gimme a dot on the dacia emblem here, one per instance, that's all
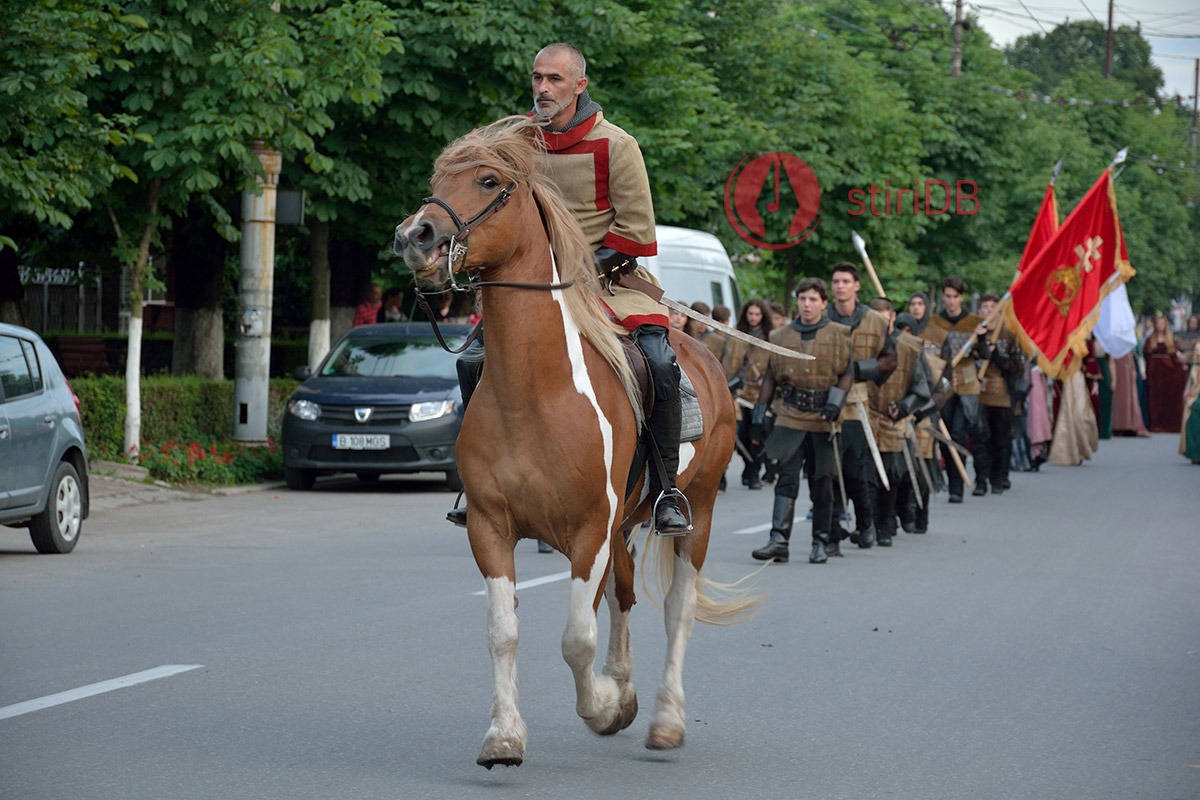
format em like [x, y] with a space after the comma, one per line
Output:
[362, 414]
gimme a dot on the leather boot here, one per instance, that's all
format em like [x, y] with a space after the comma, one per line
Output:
[664, 424]
[818, 554]
[776, 548]
[866, 539]
[922, 518]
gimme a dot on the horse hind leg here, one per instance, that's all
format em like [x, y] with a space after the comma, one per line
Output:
[597, 697]
[619, 663]
[504, 743]
[679, 608]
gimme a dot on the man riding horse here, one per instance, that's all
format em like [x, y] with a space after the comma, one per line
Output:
[598, 169]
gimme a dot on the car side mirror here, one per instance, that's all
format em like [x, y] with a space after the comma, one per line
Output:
[302, 373]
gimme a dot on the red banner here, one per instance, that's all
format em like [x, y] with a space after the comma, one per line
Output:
[1044, 228]
[1056, 299]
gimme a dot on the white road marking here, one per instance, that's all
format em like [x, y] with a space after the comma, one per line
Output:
[759, 528]
[165, 671]
[558, 576]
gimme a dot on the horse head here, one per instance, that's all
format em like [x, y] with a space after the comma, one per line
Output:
[475, 177]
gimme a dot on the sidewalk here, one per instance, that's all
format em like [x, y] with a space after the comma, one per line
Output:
[114, 485]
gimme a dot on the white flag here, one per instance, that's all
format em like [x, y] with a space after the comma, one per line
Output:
[1116, 330]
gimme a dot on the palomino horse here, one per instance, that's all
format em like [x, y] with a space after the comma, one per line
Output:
[551, 432]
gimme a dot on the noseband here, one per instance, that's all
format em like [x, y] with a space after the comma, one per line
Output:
[458, 242]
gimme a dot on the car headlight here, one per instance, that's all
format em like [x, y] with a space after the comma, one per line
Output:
[304, 409]
[421, 412]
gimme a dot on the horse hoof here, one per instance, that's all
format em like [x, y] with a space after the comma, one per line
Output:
[504, 754]
[629, 712]
[662, 737]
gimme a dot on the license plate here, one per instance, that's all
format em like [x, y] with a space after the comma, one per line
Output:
[361, 441]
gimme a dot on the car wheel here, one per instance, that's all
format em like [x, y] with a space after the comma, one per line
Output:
[453, 481]
[367, 477]
[300, 480]
[56, 529]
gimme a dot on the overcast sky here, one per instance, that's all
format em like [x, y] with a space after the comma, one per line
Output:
[1166, 24]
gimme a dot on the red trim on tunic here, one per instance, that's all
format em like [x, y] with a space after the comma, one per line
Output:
[560, 141]
[628, 246]
[634, 321]
[598, 149]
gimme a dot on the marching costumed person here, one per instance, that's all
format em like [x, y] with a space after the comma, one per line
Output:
[744, 367]
[997, 382]
[874, 359]
[807, 397]
[951, 329]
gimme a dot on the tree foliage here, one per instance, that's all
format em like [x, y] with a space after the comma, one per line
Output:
[361, 96]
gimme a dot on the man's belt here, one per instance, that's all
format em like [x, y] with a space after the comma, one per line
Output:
[803, 399]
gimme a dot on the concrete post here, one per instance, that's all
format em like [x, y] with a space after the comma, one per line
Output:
[253, 350]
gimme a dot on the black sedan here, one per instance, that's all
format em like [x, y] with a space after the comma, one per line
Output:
[385, 400]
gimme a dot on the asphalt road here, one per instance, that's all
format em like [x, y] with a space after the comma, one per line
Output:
[1042, 644]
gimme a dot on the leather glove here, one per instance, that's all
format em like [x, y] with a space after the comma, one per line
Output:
[833, 405]
[612, 264]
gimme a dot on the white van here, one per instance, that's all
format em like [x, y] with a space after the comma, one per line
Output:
[693, 265]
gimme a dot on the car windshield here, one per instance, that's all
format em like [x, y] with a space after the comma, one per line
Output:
[384, 357]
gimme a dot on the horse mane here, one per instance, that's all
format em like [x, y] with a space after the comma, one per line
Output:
[512, 146]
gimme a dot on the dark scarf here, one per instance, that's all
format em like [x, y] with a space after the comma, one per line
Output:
[953, 320]
[856, 316]
[808, 331]
[585, 109]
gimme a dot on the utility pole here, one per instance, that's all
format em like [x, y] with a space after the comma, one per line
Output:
[253, 358]
[956, 53]
[1195, 109]
[1108, 46]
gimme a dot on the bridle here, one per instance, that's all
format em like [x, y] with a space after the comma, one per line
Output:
[458, 252]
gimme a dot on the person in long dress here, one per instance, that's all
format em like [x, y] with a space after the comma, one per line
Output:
[1189, 439]
[1127, 417]
[1166, 379]
[1076, 436]
[1037, 418]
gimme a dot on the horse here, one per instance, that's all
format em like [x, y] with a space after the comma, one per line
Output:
[551, 432]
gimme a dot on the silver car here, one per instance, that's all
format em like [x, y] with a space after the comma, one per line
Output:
[43, 459]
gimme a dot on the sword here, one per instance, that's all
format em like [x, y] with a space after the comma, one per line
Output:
[656, 293]
[943, 436]
[836, 440]
[912, 437]
[873, 445]
[912, 472]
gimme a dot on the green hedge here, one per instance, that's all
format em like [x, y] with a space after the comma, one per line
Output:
[186, 408]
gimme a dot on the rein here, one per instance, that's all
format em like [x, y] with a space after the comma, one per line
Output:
[458, 251]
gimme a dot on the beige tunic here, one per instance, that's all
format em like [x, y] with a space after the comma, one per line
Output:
[831, 350]
[951, 337]
[750, 362]
[599, 170]
[867, 340]
[888, 434]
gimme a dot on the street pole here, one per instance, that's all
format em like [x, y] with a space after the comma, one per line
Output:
[253, 349]
[1108, 46]
[956, 53]
[1195, 109]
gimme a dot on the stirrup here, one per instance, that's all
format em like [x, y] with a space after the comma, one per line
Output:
[687, 514]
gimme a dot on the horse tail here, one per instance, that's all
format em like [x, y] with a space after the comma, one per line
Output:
[716, 603]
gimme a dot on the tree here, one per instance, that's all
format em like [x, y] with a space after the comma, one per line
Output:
[1081, 46]
[207, 81]
[57, 153]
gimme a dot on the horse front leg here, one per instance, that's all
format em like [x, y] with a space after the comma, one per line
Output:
[504, 742]
[618, 591]
[597, 697]
[679, 614]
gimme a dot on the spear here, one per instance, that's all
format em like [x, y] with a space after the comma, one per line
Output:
[861, 247]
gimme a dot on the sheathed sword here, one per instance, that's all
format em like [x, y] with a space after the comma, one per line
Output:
[835, 439]
[912, 437]
[873, 445]
[912, 472]
[656, 293]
